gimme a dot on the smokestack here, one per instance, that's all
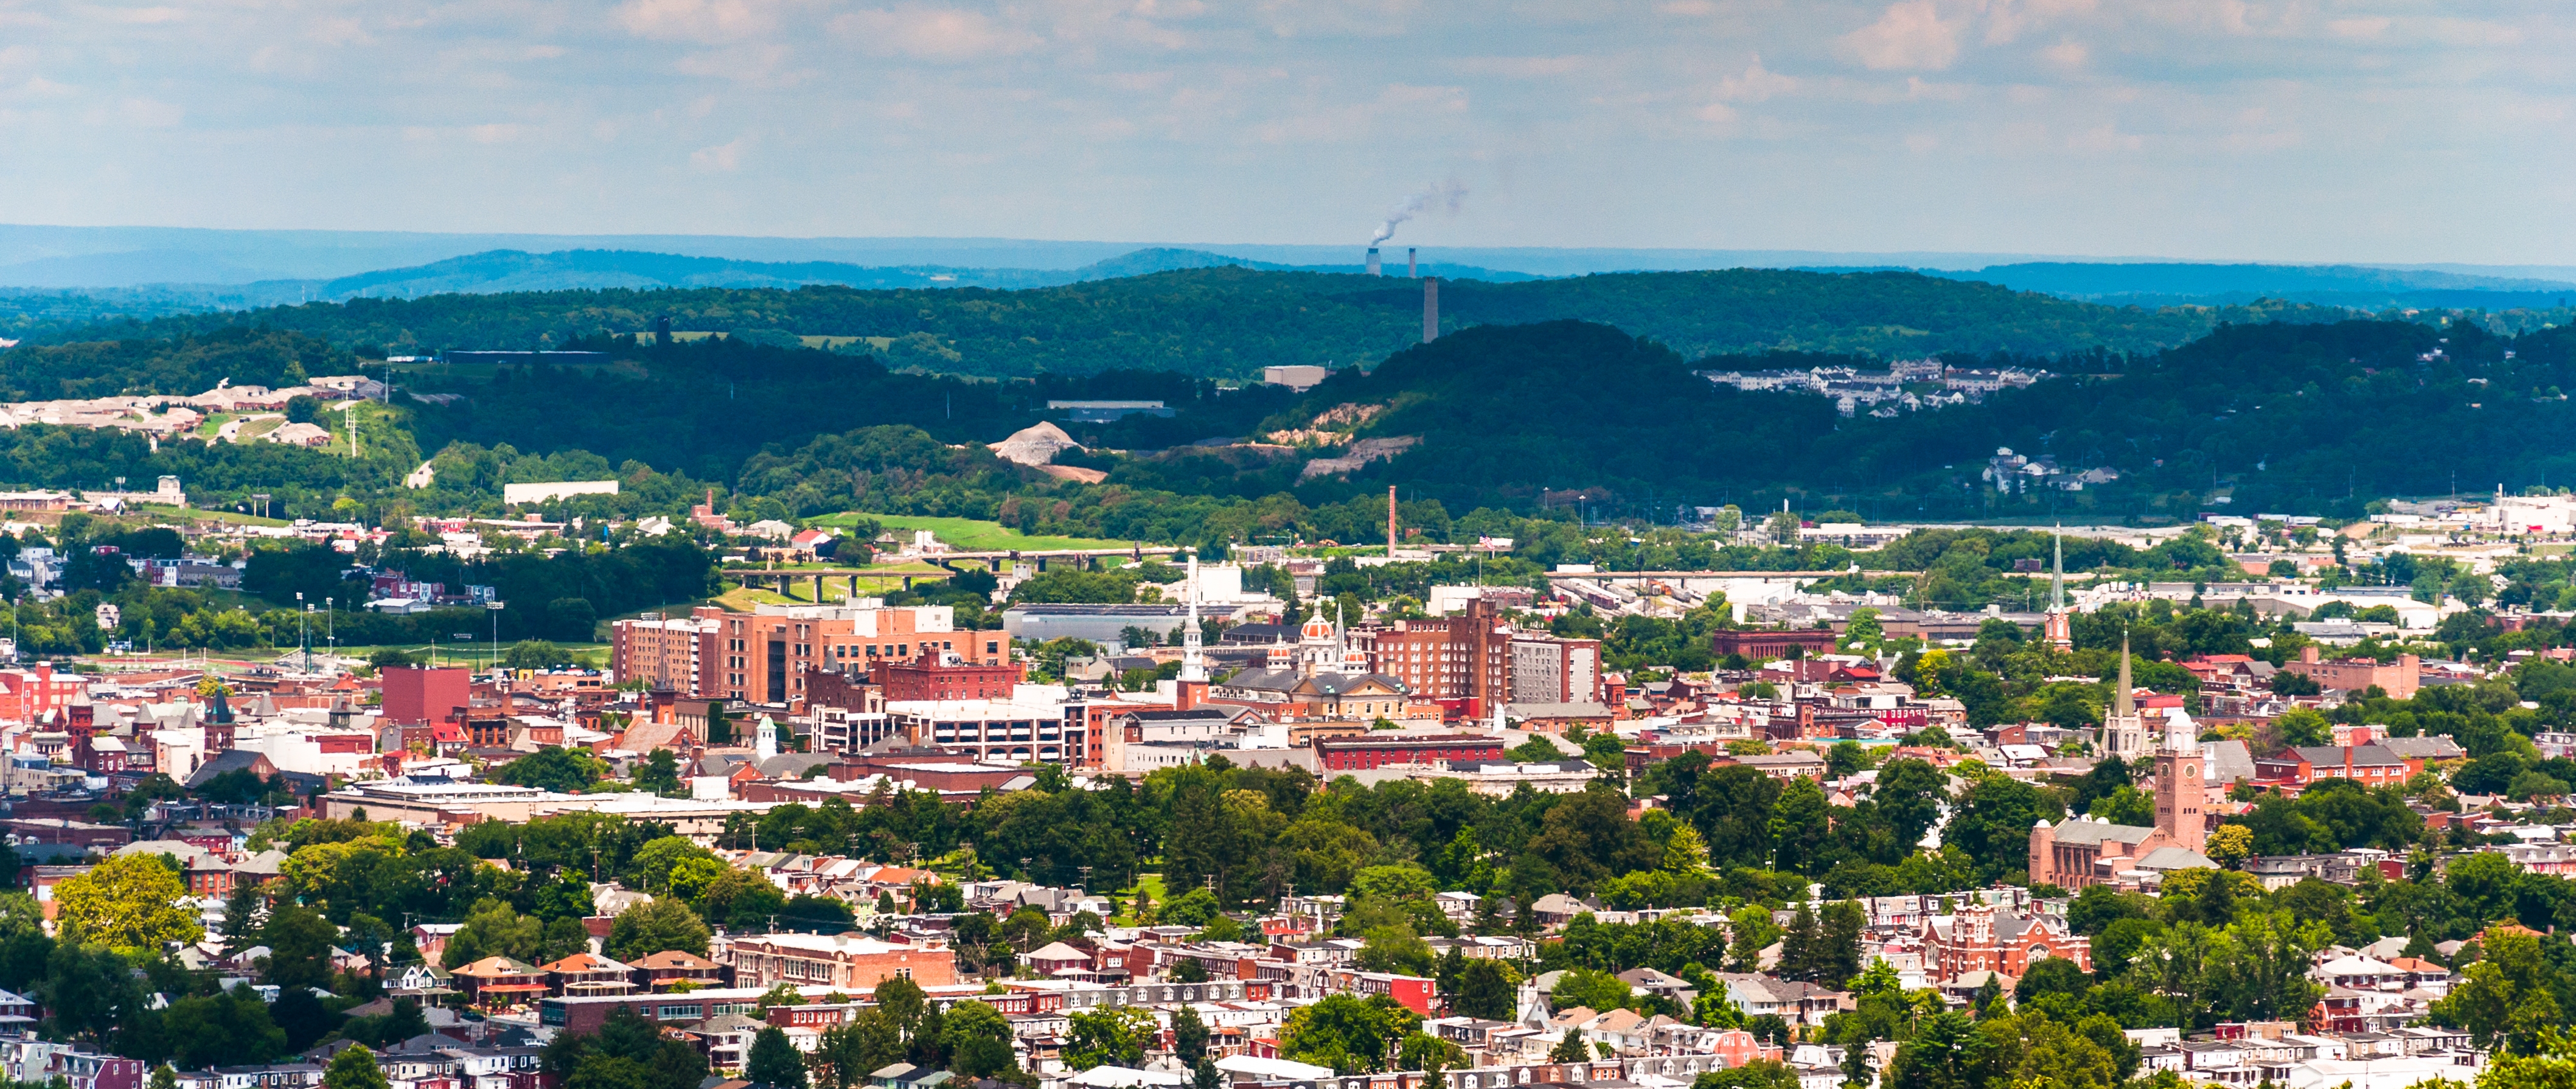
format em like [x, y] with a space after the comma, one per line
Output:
[1410, 269]
[1372, 261]
[1390, 521]
[1430, 309]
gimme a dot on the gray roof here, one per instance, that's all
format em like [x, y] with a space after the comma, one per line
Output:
[2362, 755]
[2175, 858]
[2228, 761]
[2431, 747]
[1263, 680]
[227, 760]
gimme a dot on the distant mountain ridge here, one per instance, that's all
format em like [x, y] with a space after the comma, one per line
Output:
[502, 271]
[2359, 287]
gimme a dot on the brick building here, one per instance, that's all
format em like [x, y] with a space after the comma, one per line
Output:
[764, 656]
[27, 694]
[1381, 748]
[2086, 851]
[663, 651]
[420, 696]
[1465, 658]
[2399, 679]
[1986, 938]
[2369, 765]
[854, 963]
[1758, 643]
[946, 675]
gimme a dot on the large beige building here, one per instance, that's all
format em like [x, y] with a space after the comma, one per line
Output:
[847, 961]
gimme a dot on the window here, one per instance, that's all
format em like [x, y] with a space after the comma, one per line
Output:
[679, 1013]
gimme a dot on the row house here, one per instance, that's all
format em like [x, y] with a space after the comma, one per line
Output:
[279, 1076]
[2554, 859]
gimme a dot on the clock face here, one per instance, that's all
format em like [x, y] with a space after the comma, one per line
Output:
[2190, 772]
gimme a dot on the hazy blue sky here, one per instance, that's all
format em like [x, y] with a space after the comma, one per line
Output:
[2315, 130]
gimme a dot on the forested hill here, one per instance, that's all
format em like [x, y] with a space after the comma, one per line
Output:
[2315, 418]
[2304, 418]
[1231, 322]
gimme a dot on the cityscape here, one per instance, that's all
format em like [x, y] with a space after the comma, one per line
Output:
[1321, 544]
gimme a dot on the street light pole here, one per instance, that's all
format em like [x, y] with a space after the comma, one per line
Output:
[494, 607]
[304, 631]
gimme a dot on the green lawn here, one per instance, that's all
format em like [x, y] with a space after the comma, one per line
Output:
[973, 535]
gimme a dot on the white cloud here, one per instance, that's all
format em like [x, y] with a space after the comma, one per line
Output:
[698, 20]
[1755, 84]
[931, 33]
[1523, 67]
[1908, 35]
[724, 158]
[1333, 18]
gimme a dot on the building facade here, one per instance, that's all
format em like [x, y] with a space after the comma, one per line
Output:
[946, 675]
[1462, 658]
[857, 964]
[766, 656]
[1548, 669]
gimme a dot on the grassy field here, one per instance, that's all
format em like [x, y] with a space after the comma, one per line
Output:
[1151, 884]
[974, 535]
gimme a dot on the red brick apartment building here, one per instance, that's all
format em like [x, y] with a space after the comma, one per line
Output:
[764, 655]
[1464, 658]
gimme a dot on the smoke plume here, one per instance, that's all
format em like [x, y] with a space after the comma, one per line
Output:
[1445, 197]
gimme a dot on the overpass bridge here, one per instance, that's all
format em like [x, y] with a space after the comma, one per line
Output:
[785, 579]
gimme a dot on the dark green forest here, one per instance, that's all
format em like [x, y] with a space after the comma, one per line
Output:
[1231, 322]
[2304, 417]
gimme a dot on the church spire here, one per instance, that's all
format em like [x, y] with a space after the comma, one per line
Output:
[2057, 627]
[1193, 663]
[2057, 574]
[2124, 705]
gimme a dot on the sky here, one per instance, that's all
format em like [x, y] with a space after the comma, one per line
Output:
[2315, 130]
